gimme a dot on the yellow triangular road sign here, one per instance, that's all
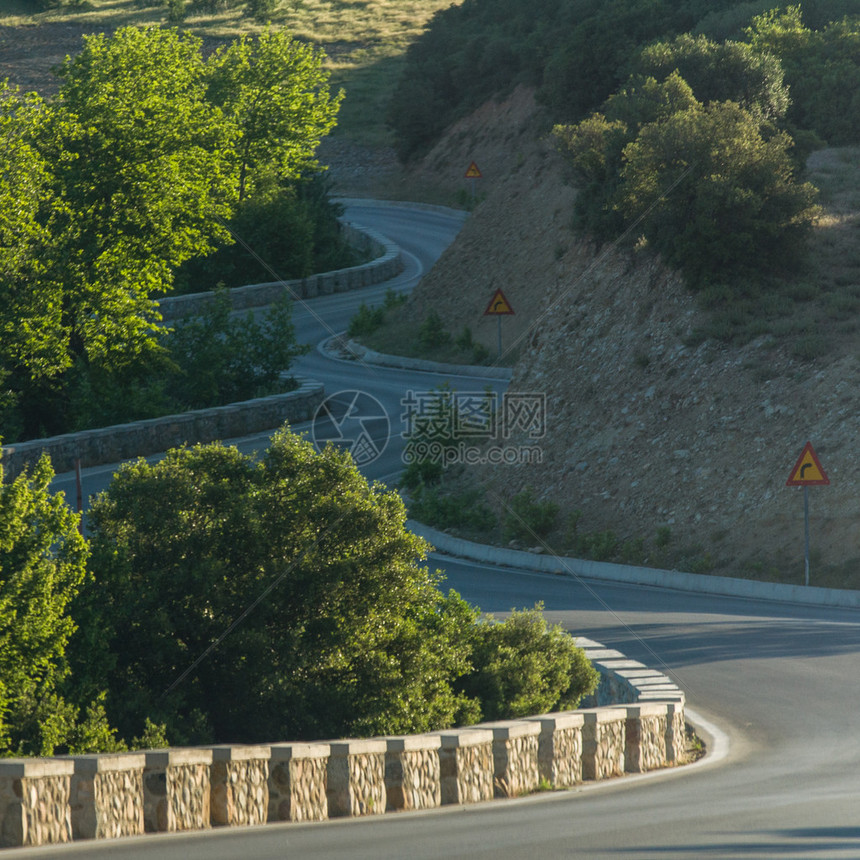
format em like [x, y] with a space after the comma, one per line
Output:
[472, 172]
[807, 471]
[498, 305]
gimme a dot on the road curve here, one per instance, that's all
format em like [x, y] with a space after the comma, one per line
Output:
[776, 681]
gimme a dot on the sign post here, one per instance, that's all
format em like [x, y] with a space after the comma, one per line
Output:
[807, 472]
[473, 173]
[499, 307]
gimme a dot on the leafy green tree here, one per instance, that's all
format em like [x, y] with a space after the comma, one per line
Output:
[242, 600]
[822, 68]
[274, 93]
[222, 358]
[42, 565]
[594, 147]
[136, 151]
[31, 331]
[525, 666]
[713, 195]
[720, 71]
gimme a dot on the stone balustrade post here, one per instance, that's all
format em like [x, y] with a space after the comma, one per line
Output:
[356, 778]
[466, 765]
[298, 782]
[515, 756]
[177, 790]
[560, 748]
[34, 801]
[645, 737]
[676, 740]
[412, 772]
[106, 797]
[239, 785]
[603, 734]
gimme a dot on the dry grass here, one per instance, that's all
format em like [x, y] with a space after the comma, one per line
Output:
[365, 40]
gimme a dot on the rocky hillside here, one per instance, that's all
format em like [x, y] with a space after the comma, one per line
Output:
[646, 432]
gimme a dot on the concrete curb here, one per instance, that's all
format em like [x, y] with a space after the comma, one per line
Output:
[582, 568]
[401, 362]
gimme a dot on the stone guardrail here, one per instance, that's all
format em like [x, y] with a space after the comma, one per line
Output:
[387, 264]
[142, 438]
[70, 798]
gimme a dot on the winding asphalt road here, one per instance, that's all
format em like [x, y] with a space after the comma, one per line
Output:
[774, 688]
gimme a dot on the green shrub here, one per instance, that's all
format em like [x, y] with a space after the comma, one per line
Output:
[529, 520]
[432, 332]
[366, 320]
[452, 510]
[524, 666]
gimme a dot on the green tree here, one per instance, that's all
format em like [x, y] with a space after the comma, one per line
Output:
[274, 92]
[42, 565]
[721, 71]
[715, 197]
[593, 148]
[136, 151]
[241, 600]
[33, 338]
[822, 69]
[222, 358]
[31, 331]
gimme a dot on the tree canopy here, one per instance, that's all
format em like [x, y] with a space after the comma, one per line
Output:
[274, 94]
[700, 170]
[714, 196]
[42, 565]
[137, 166]
[243, 600]
[822, 69]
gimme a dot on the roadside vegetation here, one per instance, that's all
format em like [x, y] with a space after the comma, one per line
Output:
[225, 598]
[385, 329]
[149, 162]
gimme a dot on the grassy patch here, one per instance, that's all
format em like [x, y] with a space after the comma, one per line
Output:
[365, 40]
[401, 333]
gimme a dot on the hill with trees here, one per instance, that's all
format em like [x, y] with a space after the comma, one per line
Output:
[679, 395]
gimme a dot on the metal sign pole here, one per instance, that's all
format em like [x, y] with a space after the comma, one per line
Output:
[806, 526]
[807, 472]
[499, 319]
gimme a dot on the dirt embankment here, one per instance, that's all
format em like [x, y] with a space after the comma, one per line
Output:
[643, 431]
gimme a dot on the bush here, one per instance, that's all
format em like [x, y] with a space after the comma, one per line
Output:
[366, 320]
[524, 666]
[528, 520]
[432, 332]
[452, 510]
